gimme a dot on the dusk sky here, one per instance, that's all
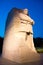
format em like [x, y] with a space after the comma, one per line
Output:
[35, 8]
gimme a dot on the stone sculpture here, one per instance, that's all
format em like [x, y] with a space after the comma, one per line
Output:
[18, 41]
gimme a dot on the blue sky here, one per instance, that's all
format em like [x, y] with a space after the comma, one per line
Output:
[35, 8]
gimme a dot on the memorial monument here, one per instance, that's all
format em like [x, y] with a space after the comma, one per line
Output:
[18, 45]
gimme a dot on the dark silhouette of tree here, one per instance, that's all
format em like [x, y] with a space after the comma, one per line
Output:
[1, 44]
[38, 42]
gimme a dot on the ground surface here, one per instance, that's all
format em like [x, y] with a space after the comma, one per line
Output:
[40, 50]
[7, 62]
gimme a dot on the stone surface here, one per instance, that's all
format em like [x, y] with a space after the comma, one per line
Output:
[18, 45]
[8, 62]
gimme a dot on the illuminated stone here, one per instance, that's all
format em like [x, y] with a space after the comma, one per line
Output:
[18, 41]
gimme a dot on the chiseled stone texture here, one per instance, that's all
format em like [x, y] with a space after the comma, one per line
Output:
[18, 46]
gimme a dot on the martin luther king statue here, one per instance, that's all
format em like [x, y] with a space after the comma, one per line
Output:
[18, 45]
